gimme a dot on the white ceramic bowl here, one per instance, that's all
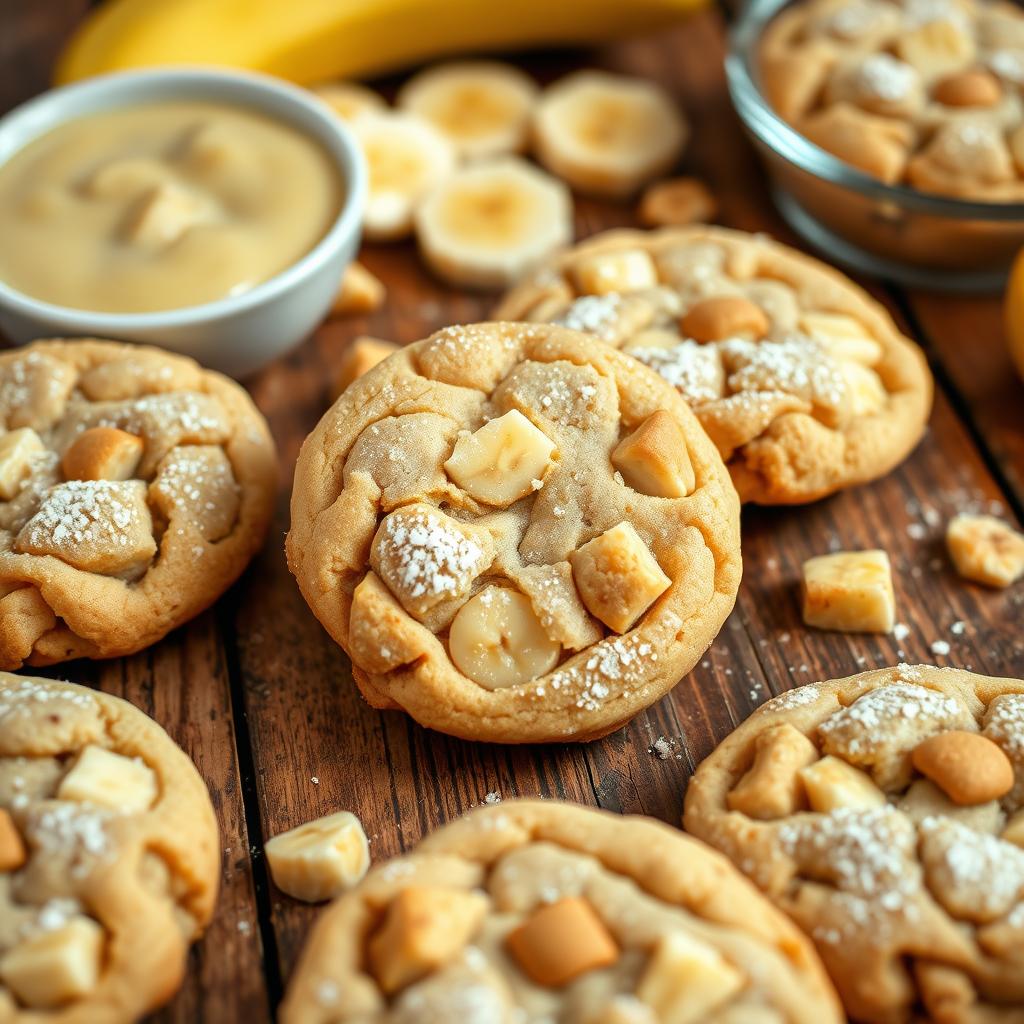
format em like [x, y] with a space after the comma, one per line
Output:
[236, 335]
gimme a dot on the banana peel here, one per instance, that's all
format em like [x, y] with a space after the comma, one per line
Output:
[310, 41]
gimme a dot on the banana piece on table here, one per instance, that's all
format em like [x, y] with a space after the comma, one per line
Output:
[350, 100]
[849, 591]
[489, 223]
[320, 859]
[607, 134]
[483, 107]
[985, 549]
[360, 292]
[406, 157]
[497, 640]
[361, 356]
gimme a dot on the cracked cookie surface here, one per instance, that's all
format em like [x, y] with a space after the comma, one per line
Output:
[550, 911]
[801, 379]
[464, 525]
[885, 814]
[134, 488]
[109, 859]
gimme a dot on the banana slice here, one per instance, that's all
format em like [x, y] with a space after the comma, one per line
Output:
[350, 100]
[498, 641]
[607, 134]
[406, 157]
[483, 107]
[489, 223]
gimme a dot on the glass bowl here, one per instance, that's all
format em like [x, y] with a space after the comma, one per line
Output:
[889, 231]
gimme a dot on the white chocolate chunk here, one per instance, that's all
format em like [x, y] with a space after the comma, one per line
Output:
[654, 459]
[425, 927]
[865, 388]
[17, 449]
[618, 577]
[497, 640]
[321, 859]
[832, 784]
[985, 549]
[850, 591]
[51, 968]
[498, 463]
[106, 779]
[627, 271]
[843, 336]
[103, 453]
[686, 980]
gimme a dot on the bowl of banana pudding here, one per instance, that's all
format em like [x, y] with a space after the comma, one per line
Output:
[892, 130]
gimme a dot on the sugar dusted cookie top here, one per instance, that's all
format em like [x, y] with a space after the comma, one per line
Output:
[919, 92]
[109, 860]
[885, 814]
[134, 488]
[515, 533]
[550, 911]
[802, 381]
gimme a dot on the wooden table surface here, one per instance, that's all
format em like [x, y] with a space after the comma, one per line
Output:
[263, 700]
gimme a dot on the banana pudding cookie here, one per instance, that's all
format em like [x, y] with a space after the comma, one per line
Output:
[516, 534]
[802, 381]
[885, 814]
[921, 92]
[552, 912]
[109, 860]
[134, 488]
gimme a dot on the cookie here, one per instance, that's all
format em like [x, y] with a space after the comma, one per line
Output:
[883, 813]
[134, 488]
[802, 381]
[549, 911]
[516, 534]
[109, 859]
[927, 94]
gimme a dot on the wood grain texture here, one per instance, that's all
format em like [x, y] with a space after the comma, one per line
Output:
[263, 700]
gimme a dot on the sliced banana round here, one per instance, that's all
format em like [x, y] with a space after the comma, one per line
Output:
[497, 640]
[406, 157]
[607, 134]
[483, 107]
[350, 100]
[489, 223]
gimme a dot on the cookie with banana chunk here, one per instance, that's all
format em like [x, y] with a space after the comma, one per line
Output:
[134, 488]
[515, 533]
[109, 859]
[802, 380]
[548, 911]
[885, 814]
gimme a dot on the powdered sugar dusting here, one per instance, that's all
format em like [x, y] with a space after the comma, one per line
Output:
[84, 511]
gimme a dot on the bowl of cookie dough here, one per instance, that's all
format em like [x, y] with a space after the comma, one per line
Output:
[889, 131]
[210, 212]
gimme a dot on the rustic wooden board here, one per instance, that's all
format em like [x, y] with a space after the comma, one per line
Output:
[263, 700]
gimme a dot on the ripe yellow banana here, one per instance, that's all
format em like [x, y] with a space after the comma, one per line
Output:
[315, 40]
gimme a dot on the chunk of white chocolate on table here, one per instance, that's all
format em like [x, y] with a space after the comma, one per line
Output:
[849, 591]
[561, 941]
[686, 980]
[618, 577]
[53, 967]
[320, 859]
[497, 640]
[654, 459]
[426, 557]
[103, 453]
[18, 448]
[830, 784]
[772, 787]
[624, 271]
[101, 777]
[985, 549]
[101, 526]
[424, 928]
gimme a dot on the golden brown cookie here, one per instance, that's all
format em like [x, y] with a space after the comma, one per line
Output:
[801, 379]
[516, 534]
[885, 814]
[134, 488]
[109, 861]
[550, 911]
[925, 92]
